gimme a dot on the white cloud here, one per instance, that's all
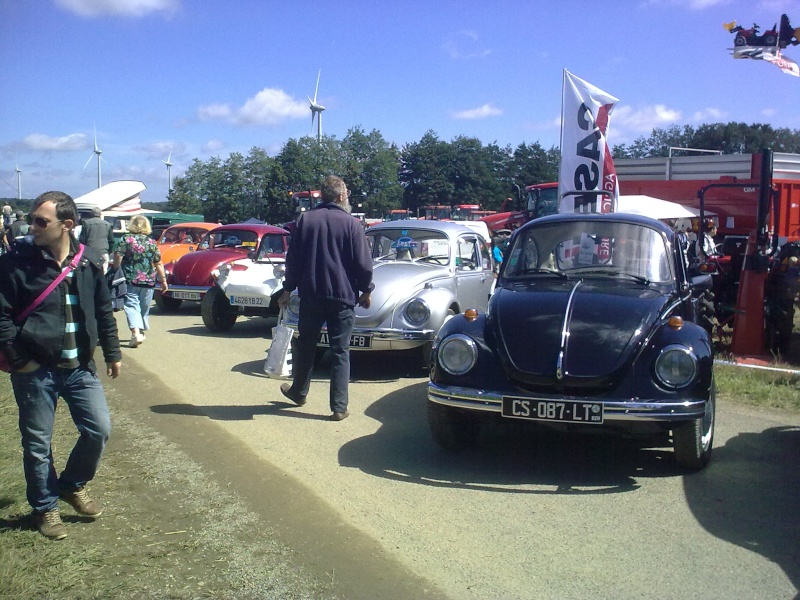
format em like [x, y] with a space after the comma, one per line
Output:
[118, 8]
[690, 4]
[769, 112]
[482, 112]
[627, 122]
[464, 45]
[267, 107]
[212, 146]
[709, 115]
[67, 143]
[162, 150]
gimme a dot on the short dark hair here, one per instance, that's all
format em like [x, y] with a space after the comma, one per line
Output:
[332, 188]
[65, 205]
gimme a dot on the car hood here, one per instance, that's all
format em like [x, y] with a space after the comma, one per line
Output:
[258, 279]
[395, 282]
[606, 324]
[195, 268]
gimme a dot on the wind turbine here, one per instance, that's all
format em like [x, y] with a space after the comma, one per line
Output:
[18, 171]
[316, 110]
[169, 171]
[97, 152]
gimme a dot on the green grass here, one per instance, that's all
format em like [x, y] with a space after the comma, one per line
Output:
[766, 389]
[30, 565]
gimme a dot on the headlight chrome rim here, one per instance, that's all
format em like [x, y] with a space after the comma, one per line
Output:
[458, 354]
[417, 311]
[676, 366]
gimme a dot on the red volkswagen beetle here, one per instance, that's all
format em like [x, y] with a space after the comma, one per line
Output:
[192, 275]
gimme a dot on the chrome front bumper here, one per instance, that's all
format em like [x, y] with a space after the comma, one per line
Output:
[386, 335]
[613, 410]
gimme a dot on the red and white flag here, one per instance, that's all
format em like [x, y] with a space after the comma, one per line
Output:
[586, 164]
[772, 55]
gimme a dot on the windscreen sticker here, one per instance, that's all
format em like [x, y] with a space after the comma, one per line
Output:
[404, 243]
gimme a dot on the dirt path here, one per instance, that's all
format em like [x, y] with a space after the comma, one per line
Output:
[562, 517]
[212, 517]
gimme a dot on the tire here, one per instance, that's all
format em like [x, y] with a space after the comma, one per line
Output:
[693, 441]
[451, 428]
[708, 312]
[216, 310]
[770, 40]
[739, 41]
[167, 304]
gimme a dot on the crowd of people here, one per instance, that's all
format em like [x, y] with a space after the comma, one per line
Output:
[56, 308]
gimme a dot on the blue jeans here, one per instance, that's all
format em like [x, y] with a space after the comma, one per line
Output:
[37, 393]
[339, 317]
[137, 306]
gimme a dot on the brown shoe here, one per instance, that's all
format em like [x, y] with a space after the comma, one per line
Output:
[82, 503]
[339, 416]
[50, 525]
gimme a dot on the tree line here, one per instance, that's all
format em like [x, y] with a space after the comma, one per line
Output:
[381, 176]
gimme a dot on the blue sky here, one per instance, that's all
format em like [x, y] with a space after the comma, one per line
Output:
[202, 78]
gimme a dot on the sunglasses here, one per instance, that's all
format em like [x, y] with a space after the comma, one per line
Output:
[40, 222]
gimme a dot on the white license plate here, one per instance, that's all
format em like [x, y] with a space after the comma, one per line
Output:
[247, 301]
[570, 411]
[186, 295]
[356, 341]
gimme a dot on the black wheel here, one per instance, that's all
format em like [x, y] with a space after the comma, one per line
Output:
[216, 310]
[770, 40]
[708, 312]
[693, 441]
[166, 303]
[739, 41]
[451, 428]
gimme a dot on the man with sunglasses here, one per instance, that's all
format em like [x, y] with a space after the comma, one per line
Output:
[51, 355]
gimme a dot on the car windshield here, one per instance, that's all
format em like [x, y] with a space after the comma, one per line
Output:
[273, 245]
[230, 238]
[586, 248]
[182, 235]
[403, 244]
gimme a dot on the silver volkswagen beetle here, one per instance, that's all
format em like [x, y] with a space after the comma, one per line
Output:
[424, 272]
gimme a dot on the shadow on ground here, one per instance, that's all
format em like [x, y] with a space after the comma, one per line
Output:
[507, 454]
[750, 495]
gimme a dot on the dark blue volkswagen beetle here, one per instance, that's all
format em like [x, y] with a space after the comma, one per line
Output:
[594, 324]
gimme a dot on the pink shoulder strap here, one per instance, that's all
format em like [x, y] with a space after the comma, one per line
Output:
[72, 265]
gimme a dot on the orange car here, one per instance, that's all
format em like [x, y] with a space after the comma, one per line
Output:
[179, 239]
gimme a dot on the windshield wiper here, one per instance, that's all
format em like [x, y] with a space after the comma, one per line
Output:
[545, 272]
[607, 271]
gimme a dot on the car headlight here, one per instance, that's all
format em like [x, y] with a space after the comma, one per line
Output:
[676, 366]
[417, 311]
[294, 305]
[458, 353]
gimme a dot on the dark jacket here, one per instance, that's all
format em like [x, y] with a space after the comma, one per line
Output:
[97, 233]
[24, 274]
[329, 257]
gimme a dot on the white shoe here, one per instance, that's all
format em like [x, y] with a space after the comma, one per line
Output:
[134, 341]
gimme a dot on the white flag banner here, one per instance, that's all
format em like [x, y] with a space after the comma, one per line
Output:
[769, 54]
[586, 163]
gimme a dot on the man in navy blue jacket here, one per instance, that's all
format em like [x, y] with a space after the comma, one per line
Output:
[329, 264]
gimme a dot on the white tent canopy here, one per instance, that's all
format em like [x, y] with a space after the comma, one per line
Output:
[656, 208]
[118, 198]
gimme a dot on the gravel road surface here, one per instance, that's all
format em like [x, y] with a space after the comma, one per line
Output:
[522, 516]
